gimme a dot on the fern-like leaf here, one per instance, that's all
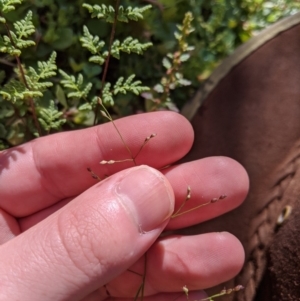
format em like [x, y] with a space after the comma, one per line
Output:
[94, 45]
[101, 11]
[129, 86]
[45, 70]
[17, 39]
[130, 13]
[129, 45]
[32, 79]
[24, 28]
[7, 47]
[107, 95]
[8, 5]
[107, 12]
[15, 90]
[48, 69]
[20, 43]
[76, 86]
[51, 118]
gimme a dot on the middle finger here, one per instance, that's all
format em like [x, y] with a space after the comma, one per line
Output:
[208, 178]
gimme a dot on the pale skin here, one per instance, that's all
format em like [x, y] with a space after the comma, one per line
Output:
[64, 236]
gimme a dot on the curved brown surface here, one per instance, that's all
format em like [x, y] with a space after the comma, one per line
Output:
[253, 116]
[282, 278]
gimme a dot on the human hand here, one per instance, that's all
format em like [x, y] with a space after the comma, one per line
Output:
[63, 237]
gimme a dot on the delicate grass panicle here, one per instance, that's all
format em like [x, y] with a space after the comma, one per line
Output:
[28, 112]
[211, 298]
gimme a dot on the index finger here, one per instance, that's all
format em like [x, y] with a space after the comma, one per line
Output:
[36, 175]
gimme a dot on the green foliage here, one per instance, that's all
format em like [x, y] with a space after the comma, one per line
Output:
[17, 40]
[16, 90]
[123, 14]
[107, 95]
[129, 45]
[29, 94]
[94, 45]
[85, 41]
[8, 5]
[31, 85]
[122, 87]
[101, 11]
[44, 71]
[50, 118]
[130, 13]
[129, 86]
[173, 77]
[77, 88]
[24, 28]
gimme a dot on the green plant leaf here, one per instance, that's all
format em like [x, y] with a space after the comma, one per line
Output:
[64, 38]
[51, 118]
[8, 5]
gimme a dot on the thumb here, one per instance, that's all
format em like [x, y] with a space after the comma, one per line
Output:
[90, 241]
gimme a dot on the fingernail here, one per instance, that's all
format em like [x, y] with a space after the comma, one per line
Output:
[148, 196]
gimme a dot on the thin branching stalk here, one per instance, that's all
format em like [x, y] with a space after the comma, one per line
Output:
[141, 290]
[111, 40]
[188, 197]
[116, 128]
[212, 298]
